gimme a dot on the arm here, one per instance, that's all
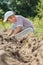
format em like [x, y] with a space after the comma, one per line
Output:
[17, 30]
[10, 32]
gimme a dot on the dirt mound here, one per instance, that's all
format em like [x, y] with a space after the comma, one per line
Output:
[26, 52]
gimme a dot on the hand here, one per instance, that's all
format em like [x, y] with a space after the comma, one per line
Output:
[12, 35]
[8, 34]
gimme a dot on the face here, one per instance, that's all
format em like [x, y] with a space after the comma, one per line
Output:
[12, 19]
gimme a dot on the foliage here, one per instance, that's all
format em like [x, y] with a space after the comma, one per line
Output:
[4, 25]
[1, 13]
[21, 7]
[27, 7]
[39, 10]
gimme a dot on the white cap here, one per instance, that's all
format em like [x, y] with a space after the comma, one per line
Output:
[8, 14]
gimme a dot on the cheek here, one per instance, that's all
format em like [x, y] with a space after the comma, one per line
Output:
[10, 20]
[13, 19]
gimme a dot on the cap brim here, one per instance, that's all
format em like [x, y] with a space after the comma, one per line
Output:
[4, 20]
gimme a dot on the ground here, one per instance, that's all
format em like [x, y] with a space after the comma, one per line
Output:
[28, 51]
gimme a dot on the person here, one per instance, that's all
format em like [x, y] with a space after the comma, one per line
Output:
[19, 23]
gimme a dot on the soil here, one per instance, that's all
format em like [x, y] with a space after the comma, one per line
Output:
[28, 51]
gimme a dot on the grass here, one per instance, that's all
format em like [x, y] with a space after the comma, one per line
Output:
[38, 23]
[4, 25]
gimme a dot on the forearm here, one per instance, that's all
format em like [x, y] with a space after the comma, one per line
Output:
[10, 32]
[17, 30]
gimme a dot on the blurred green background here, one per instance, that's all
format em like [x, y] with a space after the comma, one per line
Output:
[31, 9]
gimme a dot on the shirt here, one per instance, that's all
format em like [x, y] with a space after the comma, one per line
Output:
[23, 22]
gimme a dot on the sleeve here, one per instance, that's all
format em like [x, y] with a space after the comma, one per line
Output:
[13, 26]
[19, 22]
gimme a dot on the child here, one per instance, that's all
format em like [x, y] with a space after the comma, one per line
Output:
[19, 23]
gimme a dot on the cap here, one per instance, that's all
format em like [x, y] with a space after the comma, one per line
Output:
[8, 14]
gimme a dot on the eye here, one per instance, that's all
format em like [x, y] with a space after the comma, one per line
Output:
[10, 17]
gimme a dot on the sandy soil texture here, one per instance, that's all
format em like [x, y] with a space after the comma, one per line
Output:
[29, 51]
